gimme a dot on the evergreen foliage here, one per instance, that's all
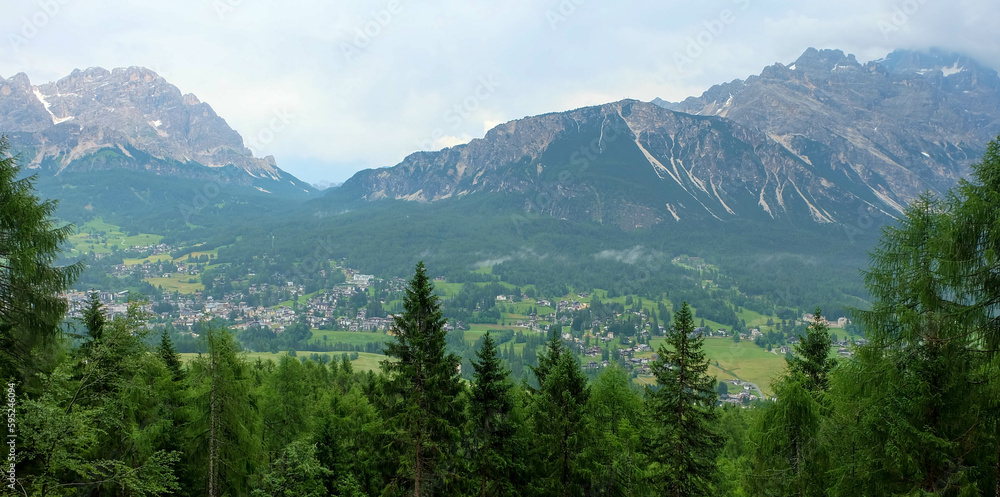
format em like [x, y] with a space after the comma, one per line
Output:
[496, 449]
[425, 411]
[683, 406]
[812, 355]
[30, 282]
[561, 428]
[914, 412]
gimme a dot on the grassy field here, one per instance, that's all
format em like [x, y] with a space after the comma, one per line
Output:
[181, 284]
[214, 253]
[368, 362]
[753, 319]
[152, 258]
[100, 237]
[350, 337]
[364, 362]
[744, 360]
[450, 289]
[302, 299]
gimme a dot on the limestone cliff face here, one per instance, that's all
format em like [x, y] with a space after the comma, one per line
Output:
[822, 140]
[127, 118]
[902, 125]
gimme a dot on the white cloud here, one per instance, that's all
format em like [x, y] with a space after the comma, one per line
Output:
[368, 100]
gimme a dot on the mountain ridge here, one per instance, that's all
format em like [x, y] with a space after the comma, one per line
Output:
[783, 144]
[95, 119]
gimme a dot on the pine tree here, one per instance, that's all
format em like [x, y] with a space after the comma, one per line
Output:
[170, 356]
[30, 284]
[283, 405]
[969, 267]
[548, 361]
[812, 355]
[559, 421]
[683, 405]
[495, 452]
[93, 316]
[616, 458]
[425, 380]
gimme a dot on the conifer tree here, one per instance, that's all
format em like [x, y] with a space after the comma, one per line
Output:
[30, 283]
[170, 356]
[812, 355]
[548, 361]
[225, 423]
[425, 380]
[918, 407]
[284, 405]
[785, 442]
[616, 457]
[495, 452]
[969, 267]
[559, 421]
[683, 406]
[113, 387]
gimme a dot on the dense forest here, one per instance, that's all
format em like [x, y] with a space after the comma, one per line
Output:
[95, 409]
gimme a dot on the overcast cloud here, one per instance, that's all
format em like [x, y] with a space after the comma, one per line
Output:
[363, 84]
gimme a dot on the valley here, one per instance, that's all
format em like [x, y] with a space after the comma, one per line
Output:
[539, 249]
[335, 310]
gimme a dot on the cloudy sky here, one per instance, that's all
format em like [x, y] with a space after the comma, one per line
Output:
[333, 87]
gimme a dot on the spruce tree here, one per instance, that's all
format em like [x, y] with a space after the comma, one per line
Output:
[425, 380]
[616, 456]
[812, 355]
[559, 421]
[31, 307]
[683, 406]
[495, 452]
[170, 356]
[548, 361]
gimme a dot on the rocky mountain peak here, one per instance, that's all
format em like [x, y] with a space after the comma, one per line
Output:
[814, 61]
[822, 139]
[931, 62]
[19, 81]
[144, 121]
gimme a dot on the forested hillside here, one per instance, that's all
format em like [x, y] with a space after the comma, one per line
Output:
[101, 406]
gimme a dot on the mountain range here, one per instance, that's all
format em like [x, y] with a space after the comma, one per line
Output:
[763, 175]
[823, 140]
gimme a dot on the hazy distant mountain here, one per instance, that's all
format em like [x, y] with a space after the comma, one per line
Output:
[130, 119]
[823, 140]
